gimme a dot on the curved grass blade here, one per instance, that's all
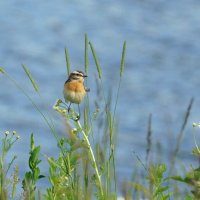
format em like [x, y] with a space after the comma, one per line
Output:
[30, 78]
[96, 60]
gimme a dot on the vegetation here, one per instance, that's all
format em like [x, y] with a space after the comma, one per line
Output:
[85, 167]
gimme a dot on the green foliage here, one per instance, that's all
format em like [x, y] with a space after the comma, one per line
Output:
[85, 167]
[191, 179]
[62, 173]
[6, 144]
[32, 176]
[156, 181]
[85, 142]
[157, 190]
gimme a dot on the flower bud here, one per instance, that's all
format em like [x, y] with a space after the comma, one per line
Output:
[7, 133]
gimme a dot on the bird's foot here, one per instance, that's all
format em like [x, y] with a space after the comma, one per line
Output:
[68, 109]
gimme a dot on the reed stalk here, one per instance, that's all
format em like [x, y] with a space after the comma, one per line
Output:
[92, 157]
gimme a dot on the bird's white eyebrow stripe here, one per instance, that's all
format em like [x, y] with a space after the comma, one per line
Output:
[77, 73]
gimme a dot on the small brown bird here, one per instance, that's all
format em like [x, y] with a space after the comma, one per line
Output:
[74, 89]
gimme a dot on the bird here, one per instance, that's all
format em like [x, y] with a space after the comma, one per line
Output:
[74, 89]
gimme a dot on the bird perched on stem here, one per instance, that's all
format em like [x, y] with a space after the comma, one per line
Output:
[74, 89]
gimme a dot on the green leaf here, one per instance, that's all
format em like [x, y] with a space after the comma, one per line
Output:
[36, 173]
[166, 196]
[188, 198]
[177, 178]
[187, 179]
[28, 175]
[33, 160]
[26, 181]
[160, 190]
[36, 152]
[2, 70]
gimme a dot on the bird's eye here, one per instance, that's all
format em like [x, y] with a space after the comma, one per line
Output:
[80, 75]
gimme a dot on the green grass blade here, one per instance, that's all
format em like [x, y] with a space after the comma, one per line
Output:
[67, 61]
[96, 60]
[86, 54]
[30, 78]
[123, 59]
[121, 73]
[2, 70]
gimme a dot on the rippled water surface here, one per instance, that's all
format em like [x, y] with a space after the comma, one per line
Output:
[162, 67]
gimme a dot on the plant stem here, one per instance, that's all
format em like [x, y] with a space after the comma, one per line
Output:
[92, 156]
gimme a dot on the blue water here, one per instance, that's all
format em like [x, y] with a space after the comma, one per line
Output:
[162, 68]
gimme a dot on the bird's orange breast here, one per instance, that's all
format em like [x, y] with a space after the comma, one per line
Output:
[75, 86]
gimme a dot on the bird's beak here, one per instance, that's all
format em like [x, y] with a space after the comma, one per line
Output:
[85, 76]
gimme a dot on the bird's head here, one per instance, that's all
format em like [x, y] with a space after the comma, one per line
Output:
[77, 75]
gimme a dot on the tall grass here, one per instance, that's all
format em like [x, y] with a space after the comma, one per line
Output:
[86, 165]
[180, 136]
[8, 186]
[98, 160]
